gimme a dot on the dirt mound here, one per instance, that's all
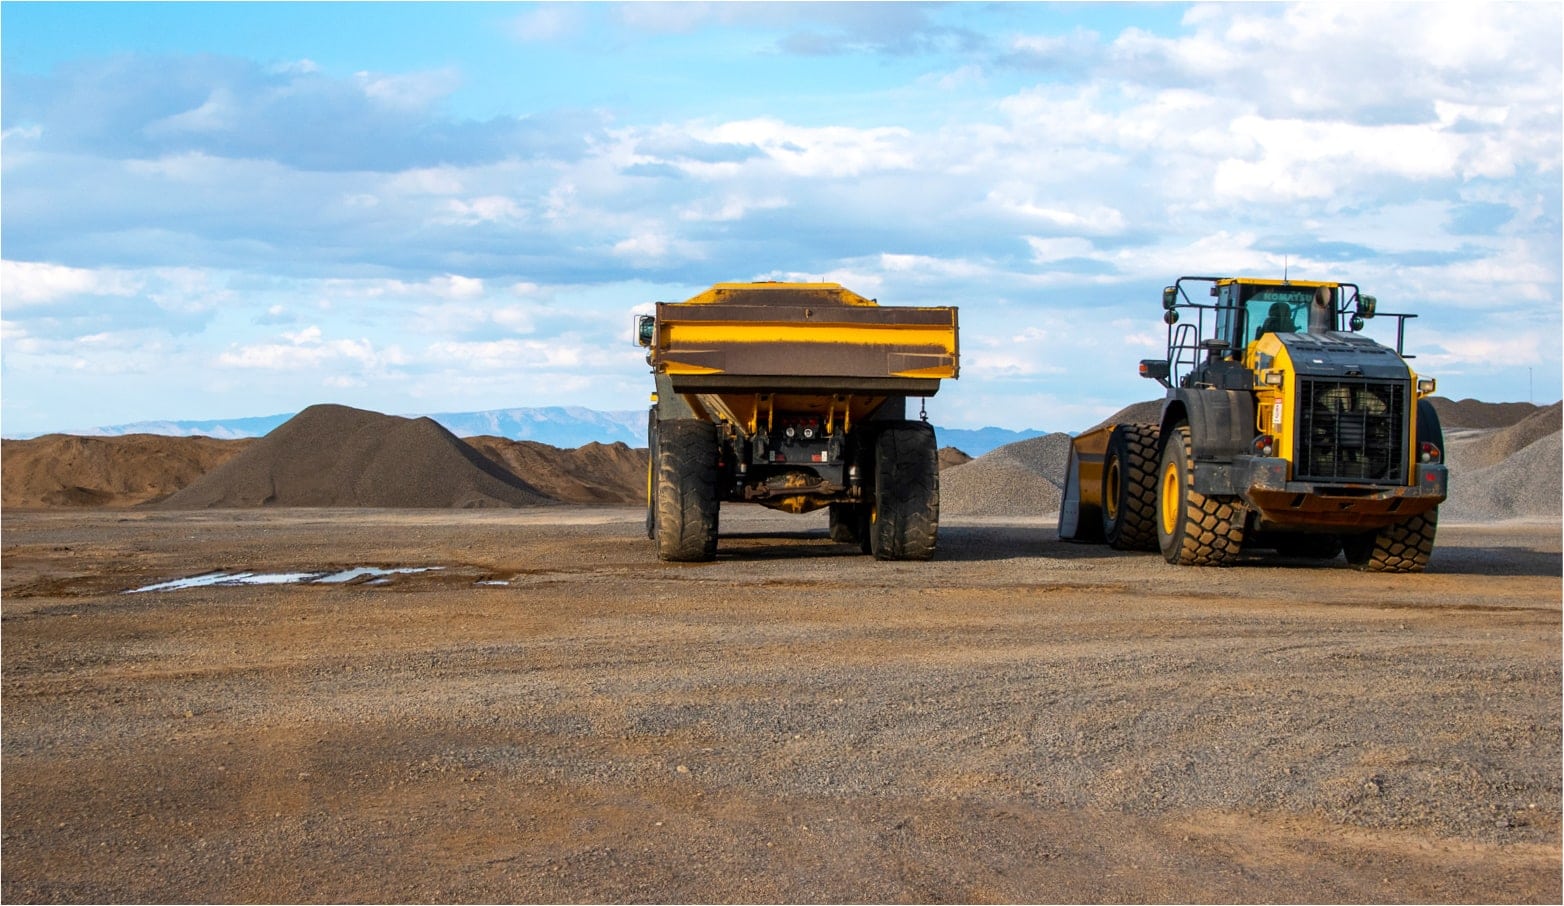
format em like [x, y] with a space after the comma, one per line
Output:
[1019, 479]
[61, 470]
[1526, 484]
[596, 473]
[1477, 414]
[1148, 412]
[337, 456]
[949, 457]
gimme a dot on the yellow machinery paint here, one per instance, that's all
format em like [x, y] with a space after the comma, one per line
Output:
[799, 383]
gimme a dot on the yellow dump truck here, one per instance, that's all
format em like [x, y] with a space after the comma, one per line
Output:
[1282, 428]
[794, 396]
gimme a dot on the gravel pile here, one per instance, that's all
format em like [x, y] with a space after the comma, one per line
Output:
[1481, 450]
[338, 456]
[1525, 485]
[1147, 412]
[1477, 414]
[1019, 479]
[950, 457]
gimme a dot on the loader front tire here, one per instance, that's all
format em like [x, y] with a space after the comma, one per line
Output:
[685, 486]
[1129, 488]
[1401, 548]
[1194, 529]
[904, 519]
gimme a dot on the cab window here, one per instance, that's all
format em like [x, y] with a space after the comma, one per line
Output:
[1275, 309]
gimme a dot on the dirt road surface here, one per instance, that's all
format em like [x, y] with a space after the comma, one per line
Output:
[554, 715]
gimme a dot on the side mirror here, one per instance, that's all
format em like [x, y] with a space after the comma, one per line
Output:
[1169, 297]
[1366, 305]
[645, 329]
[1356, 323]
[1170, 316]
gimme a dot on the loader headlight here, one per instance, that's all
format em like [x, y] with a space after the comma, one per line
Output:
[1426, 385]
[1274, 378]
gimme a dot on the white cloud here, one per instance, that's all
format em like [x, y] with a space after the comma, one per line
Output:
[830, 151]
[408, 91]
[216, 114]
[730, 208]
[308, 350]
[548, 22]
[1045, 251]
[24, 283]
[488, 209]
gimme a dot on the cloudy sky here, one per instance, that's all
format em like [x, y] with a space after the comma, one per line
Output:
[223, 210]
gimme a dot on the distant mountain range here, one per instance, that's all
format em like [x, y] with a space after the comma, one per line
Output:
[557, 426]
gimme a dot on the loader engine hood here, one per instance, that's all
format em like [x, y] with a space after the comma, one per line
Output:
[1336, 354]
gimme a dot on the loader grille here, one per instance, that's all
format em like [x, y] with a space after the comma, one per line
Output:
[1352, 431]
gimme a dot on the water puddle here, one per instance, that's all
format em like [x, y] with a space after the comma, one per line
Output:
[376, 576]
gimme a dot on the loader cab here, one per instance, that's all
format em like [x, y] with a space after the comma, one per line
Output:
[1267, 309]
[1209, 348]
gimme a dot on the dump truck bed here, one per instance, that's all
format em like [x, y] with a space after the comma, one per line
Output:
[801, 338]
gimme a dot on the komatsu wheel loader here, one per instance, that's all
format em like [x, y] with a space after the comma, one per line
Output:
[794, 396]
[1282, 427]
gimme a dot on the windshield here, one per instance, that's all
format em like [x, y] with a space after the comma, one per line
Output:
[1276, 309]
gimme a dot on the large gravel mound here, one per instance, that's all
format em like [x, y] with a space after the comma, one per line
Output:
[1147, 412]
[1480, 450]
[596, 473]
[337, 456]
[63, 470]
[1019, 479]
[1477, 414]
[1524, 485]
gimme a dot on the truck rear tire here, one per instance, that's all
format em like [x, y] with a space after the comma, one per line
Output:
[1129, 488]
[904, 521]
[847, 522]
[1194, 529]
[685, 486]
[1401, 548]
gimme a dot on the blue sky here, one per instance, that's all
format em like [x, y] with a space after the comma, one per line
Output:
[223, 210]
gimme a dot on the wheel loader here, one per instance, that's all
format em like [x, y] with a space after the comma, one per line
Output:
[1282, 428]
[794, 396]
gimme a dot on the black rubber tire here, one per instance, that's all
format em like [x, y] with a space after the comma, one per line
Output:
[1401, 548]
[1194, 529]
[686, 490]
[904, 519]
[847, 522]
[1129, 488]
[651, 474]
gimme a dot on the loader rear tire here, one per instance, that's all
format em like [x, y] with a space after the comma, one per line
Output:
[1129, 488]
[904, 519]
[686, 490]
[1401, 548]
[1194, 529]
[846, 522]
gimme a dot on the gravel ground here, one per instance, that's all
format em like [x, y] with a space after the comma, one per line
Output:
[1019, 720]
